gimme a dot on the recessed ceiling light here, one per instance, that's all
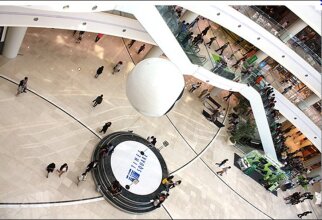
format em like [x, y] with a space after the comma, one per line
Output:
[84, 23]
[36, 19]
[124, 30]
[218, 13]
[94, 7]
[239, 26]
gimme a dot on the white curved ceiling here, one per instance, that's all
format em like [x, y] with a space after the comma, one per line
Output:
[310, 14]
[98, 22]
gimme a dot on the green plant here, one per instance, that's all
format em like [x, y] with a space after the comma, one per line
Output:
[244, 130]
[242, 106]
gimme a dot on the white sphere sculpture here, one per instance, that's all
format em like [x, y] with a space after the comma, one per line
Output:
[153, 86]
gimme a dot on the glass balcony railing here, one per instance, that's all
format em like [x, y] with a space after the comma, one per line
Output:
[293, 94]
[264, 20]
[197, 53]
[172, 20]
[203, 55]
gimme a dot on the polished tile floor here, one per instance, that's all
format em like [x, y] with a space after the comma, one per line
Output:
[55, 122]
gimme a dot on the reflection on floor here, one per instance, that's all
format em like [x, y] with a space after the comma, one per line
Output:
[35, 133]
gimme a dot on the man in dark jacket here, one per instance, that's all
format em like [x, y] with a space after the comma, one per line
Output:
[99, 71]
[98, 100]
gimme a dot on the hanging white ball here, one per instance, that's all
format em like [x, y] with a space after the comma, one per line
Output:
[153, 86]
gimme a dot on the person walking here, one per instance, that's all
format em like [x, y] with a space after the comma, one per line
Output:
[287, 89]
[224, 170]
[310, 197]
[296, 195]
[131, 43]
[154, 141]
[63, 169]
[98, 100]
[142, 48]
[304, 214]
[117, 67]
[212, 39]
[105, 127]
[222, 48]
[98, 37]
[167, 180]
[99, 71]
[22, 87]
[204, 32]
[91, 165]
[222, 162]
[150, 139]
[172, 185]
[50, 168]
[81, 178]
[80, 37]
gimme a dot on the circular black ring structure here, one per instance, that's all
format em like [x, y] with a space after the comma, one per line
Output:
[103, 175]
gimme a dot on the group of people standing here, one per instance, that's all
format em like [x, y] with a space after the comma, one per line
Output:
[168, 183]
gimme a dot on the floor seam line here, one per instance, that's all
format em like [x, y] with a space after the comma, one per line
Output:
[60, 108]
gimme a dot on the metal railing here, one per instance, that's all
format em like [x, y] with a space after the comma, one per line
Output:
[202, 55]
[276, 29]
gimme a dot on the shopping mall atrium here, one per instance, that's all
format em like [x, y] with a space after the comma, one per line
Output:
[160, 110]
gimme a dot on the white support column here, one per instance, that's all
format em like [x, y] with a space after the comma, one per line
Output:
[294, 29]
[13, 41]
[189, 17]
[260, 56]
[308, 101]
[154, 52]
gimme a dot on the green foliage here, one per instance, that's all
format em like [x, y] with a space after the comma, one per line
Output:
[243, 130]
[242, 106]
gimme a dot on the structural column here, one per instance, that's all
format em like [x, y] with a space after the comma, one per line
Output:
[14, 38]
[189, 17]
[154, 52]
[292, 30]
[308, 101]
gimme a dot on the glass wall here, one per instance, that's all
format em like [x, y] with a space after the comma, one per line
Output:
[306, 44]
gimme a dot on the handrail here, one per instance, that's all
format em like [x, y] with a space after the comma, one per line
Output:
[277, 30]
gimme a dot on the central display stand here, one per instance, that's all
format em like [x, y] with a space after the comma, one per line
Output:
[137, 165]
